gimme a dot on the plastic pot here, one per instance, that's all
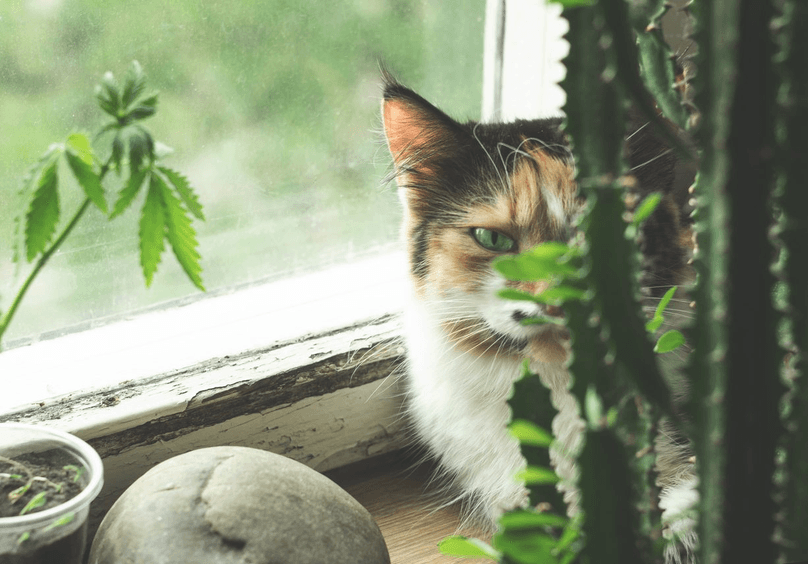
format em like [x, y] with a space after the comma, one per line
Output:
[70, 474]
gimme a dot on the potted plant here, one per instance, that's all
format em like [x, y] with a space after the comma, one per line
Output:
[48, 478]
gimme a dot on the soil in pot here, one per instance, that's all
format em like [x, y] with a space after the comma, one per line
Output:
[31, 484]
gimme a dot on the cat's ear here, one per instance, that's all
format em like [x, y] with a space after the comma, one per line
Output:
[420, 136]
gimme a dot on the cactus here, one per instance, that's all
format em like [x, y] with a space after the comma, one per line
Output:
[792, 232]
[749, 426]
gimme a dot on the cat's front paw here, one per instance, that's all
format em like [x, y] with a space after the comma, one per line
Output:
[679, 520]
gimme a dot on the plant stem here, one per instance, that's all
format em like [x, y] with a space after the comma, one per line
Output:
[39, 264]
[5, 321]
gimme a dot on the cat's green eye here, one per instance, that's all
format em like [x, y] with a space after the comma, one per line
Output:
[492, 240]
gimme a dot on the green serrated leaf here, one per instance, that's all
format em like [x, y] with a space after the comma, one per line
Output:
[669, 341]
[529, 433]
[537, 475]
[185, 191]
[646, 208]
[467, 548]
[528, 519]
[37, 501]
[87, 179]
[180, 233]
[80, 145]
[43, 214]
[133, 85]
[145, 109]
[118, 148]
[128, 193]
[140, 148]
[27, 187]
[108, 96]
[152, 229]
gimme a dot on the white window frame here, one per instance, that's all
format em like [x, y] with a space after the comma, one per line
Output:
[307, 367]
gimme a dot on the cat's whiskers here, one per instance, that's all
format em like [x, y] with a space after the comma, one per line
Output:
[506, 181]
[638, 130]
[649, 161]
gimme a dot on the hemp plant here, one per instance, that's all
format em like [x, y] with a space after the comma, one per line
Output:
[128, 149]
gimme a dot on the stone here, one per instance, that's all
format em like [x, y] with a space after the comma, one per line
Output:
[227, 505]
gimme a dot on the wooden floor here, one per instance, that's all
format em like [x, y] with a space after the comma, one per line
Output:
[396, 495]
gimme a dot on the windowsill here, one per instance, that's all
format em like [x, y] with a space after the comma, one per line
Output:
[301, 367]
[164, 342]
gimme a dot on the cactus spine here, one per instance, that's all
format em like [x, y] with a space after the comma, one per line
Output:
[792, 232]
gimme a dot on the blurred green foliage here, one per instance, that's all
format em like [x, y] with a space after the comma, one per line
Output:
[272, 107]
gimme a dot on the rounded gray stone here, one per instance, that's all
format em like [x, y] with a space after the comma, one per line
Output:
[224, 505]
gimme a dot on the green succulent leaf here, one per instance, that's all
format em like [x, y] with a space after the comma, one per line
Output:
[87, 179]
[529, 433]
[184, 189]
[180, 233]
[128, 193]
[646, 208]
[525, 547]
[669, 341]
[539, 263]
[537, 475]
[152, 229]
[529, 519]
[467, 548]
[656, 322]
[517, 295]
[43, 214]
[560, 294]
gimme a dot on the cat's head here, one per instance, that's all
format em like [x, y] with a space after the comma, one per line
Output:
[473, 192]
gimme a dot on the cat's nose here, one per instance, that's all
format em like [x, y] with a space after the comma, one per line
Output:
[541, 311]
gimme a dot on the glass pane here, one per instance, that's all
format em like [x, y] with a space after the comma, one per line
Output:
[271, 107]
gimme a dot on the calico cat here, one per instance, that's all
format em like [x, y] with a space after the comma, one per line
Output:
[472, 192]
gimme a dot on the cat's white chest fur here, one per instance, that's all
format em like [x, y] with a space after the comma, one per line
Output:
[457, 404]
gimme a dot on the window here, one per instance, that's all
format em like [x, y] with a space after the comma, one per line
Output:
[271, 108]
